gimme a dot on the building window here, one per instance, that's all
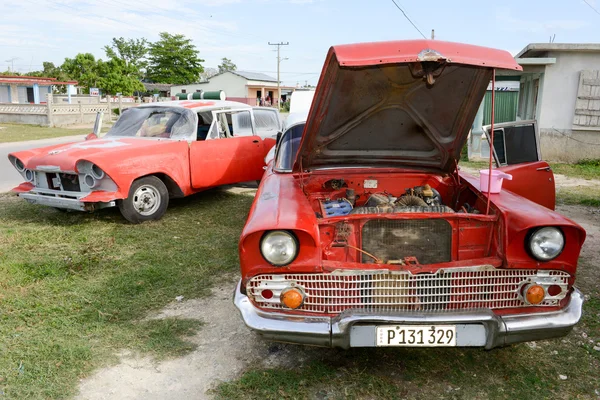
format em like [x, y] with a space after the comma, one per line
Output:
[183, 91]
[198, 90]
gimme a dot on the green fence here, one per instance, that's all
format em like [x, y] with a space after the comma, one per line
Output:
[506, 107]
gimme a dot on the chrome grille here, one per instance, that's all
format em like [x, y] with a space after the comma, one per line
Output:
[429, 240]
[383, 290]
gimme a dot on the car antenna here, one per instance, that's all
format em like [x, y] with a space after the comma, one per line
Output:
[487, 210]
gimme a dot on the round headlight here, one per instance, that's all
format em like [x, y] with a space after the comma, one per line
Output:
[29, 175]
[19, 165]
[97, 172]
[90, 181]
[279, 247]
[546, 243]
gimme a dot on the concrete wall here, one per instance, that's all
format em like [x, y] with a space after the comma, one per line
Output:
[561, 82]
[28, 119]
[558, 95]
[233, 85]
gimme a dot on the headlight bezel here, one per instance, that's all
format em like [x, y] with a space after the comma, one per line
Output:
[295, 243]
[529, 244]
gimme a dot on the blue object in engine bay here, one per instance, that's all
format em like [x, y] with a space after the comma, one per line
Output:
[336, 208]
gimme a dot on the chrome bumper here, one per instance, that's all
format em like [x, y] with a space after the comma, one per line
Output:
[357, 329]
[62, 202]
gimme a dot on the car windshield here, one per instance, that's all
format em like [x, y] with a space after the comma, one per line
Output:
[288, 148]
[155, 122]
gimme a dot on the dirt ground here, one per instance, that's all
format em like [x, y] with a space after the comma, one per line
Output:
[226, 347]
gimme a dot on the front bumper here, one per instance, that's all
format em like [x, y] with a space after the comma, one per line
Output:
[53, 200]
[357, 329]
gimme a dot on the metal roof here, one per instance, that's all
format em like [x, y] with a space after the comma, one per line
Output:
[254, 76]
[539, 49]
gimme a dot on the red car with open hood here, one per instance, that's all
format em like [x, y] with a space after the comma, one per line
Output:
[365, 233]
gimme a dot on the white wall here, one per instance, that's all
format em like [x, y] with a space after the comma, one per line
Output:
[4, 90]
[559, 91]
[233, 85]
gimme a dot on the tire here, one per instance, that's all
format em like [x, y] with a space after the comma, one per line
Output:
[147, 201]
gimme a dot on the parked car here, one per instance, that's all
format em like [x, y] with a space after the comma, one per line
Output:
[365, 233]
[153, 152]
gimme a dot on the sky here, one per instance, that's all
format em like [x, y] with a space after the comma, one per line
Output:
[34, 31]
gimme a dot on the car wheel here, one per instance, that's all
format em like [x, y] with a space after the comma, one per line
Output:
[148, 200]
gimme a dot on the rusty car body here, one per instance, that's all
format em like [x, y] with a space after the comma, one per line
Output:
[153, 152]
[364, 232]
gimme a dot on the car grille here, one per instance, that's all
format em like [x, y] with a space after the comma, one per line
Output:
[452, 289]
[429, 240]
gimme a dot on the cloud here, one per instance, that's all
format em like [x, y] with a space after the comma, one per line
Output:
[512, 23]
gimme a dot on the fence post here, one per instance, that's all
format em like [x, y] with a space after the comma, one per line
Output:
[81, 112]
[109, 113]
[120, 105]
[49, 100]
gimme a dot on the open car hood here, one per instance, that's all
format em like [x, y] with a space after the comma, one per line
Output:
[397, 104]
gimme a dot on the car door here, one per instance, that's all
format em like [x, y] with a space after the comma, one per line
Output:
[231, 152]
[517, 152]
[267, 122]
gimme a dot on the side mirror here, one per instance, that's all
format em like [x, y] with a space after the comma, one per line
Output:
[91, 136]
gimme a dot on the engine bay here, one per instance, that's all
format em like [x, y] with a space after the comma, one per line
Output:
[342, 197]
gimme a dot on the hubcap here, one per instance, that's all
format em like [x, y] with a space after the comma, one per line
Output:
[146, 200]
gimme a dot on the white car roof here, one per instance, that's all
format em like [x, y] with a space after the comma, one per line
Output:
[301, 100]
[198, 105]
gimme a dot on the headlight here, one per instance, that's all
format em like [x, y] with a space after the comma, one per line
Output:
[546, 243]
[29, 176]
[97, 173]
[90, 181]
[279, 247]
[19, 165]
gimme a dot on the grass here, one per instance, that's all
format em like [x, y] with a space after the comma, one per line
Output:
[584, 169]
[521, 371]
[581, 195]
[76, 288]
[18, 133]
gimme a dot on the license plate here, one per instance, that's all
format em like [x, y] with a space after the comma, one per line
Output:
[417, 335]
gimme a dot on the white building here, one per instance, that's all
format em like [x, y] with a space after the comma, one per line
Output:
[560, 88]
[245, 87]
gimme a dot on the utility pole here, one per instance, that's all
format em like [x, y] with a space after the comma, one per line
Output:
[432, 34]
[278, 65]
[12, 61]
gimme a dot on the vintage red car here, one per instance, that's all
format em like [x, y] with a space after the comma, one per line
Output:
[153, 152]
[365, 233]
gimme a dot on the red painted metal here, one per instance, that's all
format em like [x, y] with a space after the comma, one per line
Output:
[363, 54]
[496, 236]
[193, 167]
[534, 181]
[487, 210]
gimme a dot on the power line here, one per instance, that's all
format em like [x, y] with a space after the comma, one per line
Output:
[409, 20]
[592, 7]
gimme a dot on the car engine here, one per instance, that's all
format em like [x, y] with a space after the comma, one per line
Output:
[418, 199]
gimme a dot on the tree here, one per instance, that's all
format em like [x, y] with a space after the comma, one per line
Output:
[117, 77]
[131, 51]
[208, 73]
[226, 65]
[173, 59]
[52, 71]
[84, 69]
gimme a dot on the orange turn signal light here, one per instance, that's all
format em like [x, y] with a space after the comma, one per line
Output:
[535, 294]
[292, 298]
